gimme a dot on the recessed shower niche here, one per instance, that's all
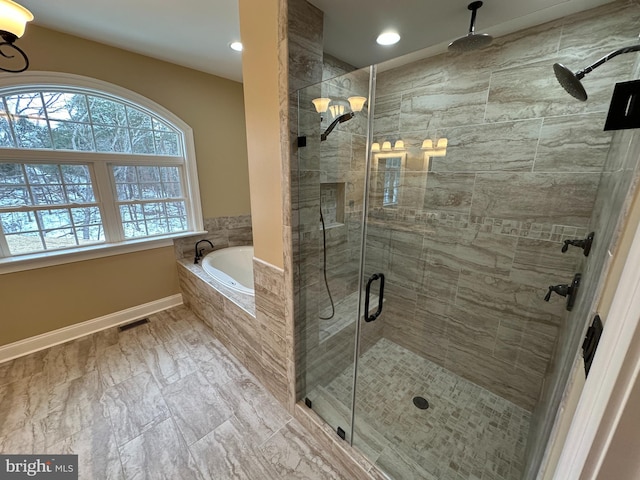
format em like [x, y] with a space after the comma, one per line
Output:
[332, 204]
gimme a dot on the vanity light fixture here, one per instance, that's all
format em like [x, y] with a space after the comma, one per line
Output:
[357, 103]
[13, 21]
[387, 38]
[398, 145]
[437, 150]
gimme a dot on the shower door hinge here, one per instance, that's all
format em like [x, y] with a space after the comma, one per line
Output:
[307, 402]
[302, 142]
[341, 433]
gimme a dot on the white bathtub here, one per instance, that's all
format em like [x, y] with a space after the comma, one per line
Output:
[231, 266]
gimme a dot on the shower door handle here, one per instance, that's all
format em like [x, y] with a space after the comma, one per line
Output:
[373, 316]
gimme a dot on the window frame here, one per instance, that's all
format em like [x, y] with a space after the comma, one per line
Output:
[104, 190]
[379, 169]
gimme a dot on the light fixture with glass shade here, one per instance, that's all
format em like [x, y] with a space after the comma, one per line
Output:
[321, 104]
[13, 21]
[375, 147]
[399, 145]
[386, 146]
[357, 103]
[337, 108]
[437, 149]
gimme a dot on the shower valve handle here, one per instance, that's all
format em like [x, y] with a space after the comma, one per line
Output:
[566, 290]
[584, 244]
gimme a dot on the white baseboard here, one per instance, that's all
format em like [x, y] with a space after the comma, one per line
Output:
[62, 335]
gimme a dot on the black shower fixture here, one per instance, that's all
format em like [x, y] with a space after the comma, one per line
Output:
[472, 40]
[341, 119]
[571, 81]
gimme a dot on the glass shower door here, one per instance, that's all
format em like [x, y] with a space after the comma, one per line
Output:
[330, 192]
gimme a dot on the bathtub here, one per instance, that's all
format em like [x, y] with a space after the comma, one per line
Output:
[231, 266]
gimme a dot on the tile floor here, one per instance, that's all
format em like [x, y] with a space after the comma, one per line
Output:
[162, 400]
[467, 433]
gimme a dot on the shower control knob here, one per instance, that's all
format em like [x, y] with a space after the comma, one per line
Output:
[584, 244]
[566, 290]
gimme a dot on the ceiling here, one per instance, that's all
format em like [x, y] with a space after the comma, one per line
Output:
[197, 33]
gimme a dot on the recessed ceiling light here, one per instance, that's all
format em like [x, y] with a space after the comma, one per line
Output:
[237, 46]
[388, 38]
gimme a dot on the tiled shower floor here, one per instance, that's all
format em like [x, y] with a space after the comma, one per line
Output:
[466, 433]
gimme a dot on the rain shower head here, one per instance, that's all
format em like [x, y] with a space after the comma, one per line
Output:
[472, 40]
[571, 81]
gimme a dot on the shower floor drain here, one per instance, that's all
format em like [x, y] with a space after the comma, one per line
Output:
[421, 403]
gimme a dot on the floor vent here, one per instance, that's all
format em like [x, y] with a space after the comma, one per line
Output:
[135, 324]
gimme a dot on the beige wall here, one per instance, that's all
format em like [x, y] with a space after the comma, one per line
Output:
[263, 96]
[37, 301]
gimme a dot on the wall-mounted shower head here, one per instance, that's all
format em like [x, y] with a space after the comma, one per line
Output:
[472, 40]
[571, 81]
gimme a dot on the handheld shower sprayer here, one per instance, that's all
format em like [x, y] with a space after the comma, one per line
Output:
[341, 119]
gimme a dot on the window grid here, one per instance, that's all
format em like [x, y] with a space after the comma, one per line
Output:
[56, 124]
[391, 181]
[167, 193]
[161, 138]
[19, 239]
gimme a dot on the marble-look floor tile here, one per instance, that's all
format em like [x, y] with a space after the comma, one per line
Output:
[73, 406]
[169, 362]
[218, 366]
[21, 367]
[98, 457]
[156, 332]
[160, 452]
[293, 456]
[256, 411]
[134, 406]
[196, 406]
[22, 402]
[28, 439]
[224, 455]
[123, 426]
[121, 361]
[70, 360]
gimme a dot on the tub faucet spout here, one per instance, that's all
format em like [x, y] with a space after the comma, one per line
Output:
[200, 251]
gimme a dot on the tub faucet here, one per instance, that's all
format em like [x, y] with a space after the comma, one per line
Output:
[199, 252]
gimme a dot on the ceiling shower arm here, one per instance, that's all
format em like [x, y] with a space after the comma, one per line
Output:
[581, 73]
[474, 10]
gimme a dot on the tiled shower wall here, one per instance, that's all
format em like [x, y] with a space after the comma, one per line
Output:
[475, 239]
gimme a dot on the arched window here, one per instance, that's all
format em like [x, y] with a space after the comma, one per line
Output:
[86, 165]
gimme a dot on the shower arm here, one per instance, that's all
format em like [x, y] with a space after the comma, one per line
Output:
[341, 119]
[472, 25]
[581, 73]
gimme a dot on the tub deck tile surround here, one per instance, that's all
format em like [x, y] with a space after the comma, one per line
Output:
[141, 427]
